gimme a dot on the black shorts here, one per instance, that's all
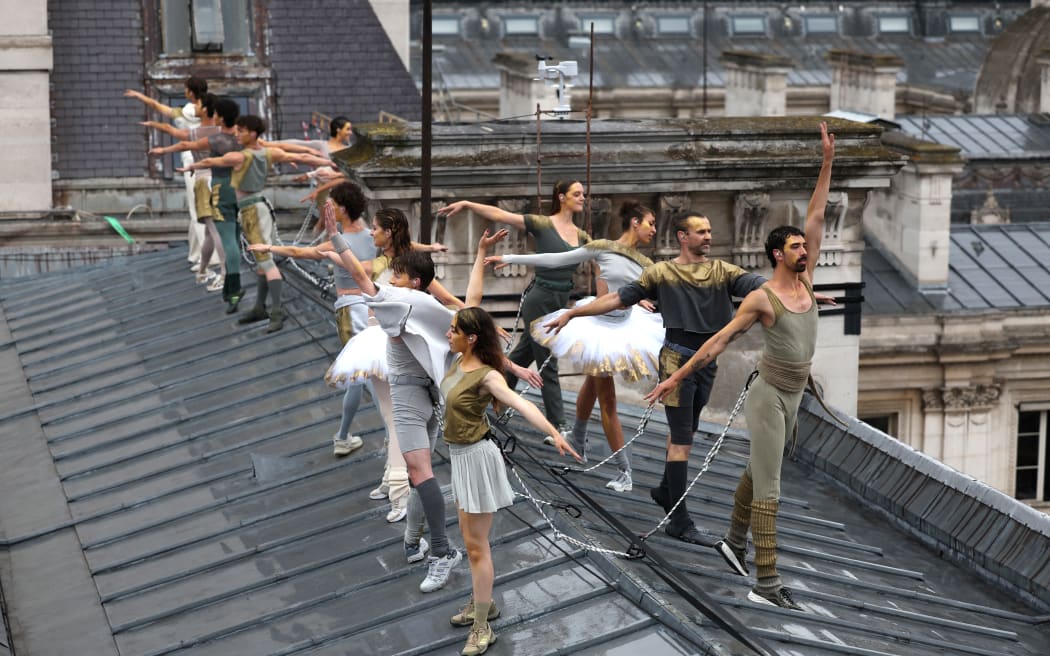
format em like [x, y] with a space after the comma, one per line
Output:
[683, 405]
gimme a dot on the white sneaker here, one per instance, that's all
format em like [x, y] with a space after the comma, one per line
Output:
[416, 552]
[345, 447]
[621, 483]
[380, 493]
[195, 267]
[216, 283]
[398, 510]
[439, 569]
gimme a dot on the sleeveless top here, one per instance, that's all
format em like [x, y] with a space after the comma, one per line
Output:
[793, 335]
[465, 404]
[250, 178]
[363, 248]
[548, 240]
[220, 144]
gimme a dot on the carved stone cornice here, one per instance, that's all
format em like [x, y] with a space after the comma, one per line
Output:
[962, 399]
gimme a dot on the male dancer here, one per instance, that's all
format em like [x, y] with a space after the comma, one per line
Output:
[787, 310]
[250, 167]
[695, 296]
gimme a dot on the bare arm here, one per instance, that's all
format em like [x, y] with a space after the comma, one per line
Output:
[476, 285]
[750, 311]
[277, 156]
[151, 103]
[324, 187]
[497, 387]
[291, 147]
[600, 305]
[444, 296]
[199, 144]
[814, 227]
[231, 160]
[167, 128]
[487, 212]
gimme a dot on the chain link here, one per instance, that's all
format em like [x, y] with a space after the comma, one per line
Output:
[710, 456]
[517, 318]
[638, 433]
[509, 412]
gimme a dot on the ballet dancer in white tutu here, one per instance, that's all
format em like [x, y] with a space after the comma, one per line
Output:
[625, 342]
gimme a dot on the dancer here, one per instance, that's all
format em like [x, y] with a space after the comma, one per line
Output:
[479, 477]
[787, 310]
[695, 297]
[550, 289]
[621, 341]
[340, 133]
[250, 169]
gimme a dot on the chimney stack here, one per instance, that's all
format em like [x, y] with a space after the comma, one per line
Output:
[756, 84]
[864, 82]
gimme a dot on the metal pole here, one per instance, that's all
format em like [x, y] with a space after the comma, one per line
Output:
[425, 118]
[590, 99]
[539, 165]
[703, 55]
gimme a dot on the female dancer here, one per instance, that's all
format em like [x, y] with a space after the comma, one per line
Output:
[479, 478]
[550, 290]
[623, 341]
[364, 356]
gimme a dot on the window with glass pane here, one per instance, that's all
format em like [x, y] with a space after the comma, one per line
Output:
[521, 25]
[602, 24]
[672, 25]
[894, 25]
[822, 25]
[188, 25]
[1033, 458]
[444, 26]
[749, 25]
[964, 24]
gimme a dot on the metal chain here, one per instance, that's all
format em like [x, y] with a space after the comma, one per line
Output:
[539, 503]
[638, 433]
[509, 412]
[521, 304]
[710, 456]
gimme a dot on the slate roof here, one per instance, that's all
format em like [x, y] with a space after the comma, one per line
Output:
[206, 513]
[991, 267]
[980, 137]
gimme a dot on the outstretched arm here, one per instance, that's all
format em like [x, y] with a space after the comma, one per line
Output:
[495, 384]
[231, 160]
[814, 227]
[750, 311]
[487, 212]
[544, 260]
[151, 103]
[292, 146]
[600, 305]
[277, 155]
[199, 144]
[167, 128]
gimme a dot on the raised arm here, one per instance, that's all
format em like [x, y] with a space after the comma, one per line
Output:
[751, 310]
[487, 212]
[476, 284]
[199, 144]
[544, 260]
[151, 103]
[814, 228]
[495, 384]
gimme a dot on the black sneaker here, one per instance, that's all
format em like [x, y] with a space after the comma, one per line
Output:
[779, 597]
[688, 534]
[276, 321]
[253, 315]
[735, 558]
[232, 303]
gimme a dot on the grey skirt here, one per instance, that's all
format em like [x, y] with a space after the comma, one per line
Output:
[479, 477]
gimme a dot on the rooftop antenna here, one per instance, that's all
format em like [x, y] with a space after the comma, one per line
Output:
[559, 75]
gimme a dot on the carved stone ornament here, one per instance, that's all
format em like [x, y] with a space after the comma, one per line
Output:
[990, 213]
[670, 204]
[750, 212]
[962, 399]
[516, 241]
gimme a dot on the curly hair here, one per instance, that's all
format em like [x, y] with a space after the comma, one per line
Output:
[632, 209]
[350, 198]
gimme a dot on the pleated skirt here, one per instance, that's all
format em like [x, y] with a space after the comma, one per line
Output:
[479, 477]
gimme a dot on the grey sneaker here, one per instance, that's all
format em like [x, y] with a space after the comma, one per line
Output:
[416, 552]
[465, 617]
[478, 641]
[621, 483]
[439, 569]
[735, 558]
[345, 447]
[779, 597]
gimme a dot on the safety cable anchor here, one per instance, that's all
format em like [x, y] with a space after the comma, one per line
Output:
[569, 509]
[635, 552]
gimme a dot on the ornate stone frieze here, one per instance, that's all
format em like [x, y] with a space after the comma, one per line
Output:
[961, 399]
[750, 214]
[670, 205]
[515, 242]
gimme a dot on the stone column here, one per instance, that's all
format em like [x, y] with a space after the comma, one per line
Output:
[911, 219]
[959, 428]
[1044, 77]
[519, 90]
[864, 82]
[25, 117]
[756, 84]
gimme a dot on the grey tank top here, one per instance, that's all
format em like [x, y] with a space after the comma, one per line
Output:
[793, 336]
[363, 248]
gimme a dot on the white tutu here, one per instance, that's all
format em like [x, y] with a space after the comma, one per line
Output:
[604, 345]
[364, 356]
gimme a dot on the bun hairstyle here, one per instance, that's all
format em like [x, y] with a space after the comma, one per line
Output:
[560, 187]
[337, 124]
[394, 220]
[630, 210]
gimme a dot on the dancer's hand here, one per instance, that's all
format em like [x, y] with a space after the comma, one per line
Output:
[312, 196]
[824, 299]
[488, 241]
[554, 326]
[438, 247]
[663, 389]
[647, 305]
[452, 208]
[328, 214]
[532, 378]
[563, 446]
[496, 260]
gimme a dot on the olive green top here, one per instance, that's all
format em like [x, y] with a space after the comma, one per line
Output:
[549, 240]
[465, 404]
[793, 335]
